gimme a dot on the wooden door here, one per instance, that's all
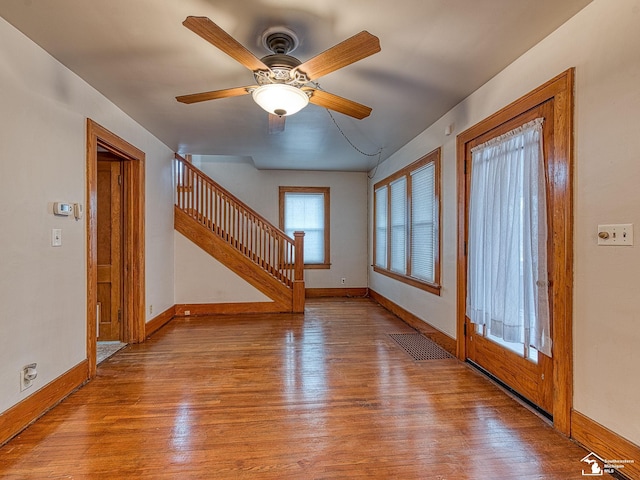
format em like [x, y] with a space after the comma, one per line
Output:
[528, 372]
[109, 219]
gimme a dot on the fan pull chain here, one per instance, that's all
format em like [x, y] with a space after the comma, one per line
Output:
[350, 142]
[378, 153]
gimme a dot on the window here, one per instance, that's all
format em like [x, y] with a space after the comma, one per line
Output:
[307, 209]
[381, 226]
[507, 289]
[407, 211]
[398, 221]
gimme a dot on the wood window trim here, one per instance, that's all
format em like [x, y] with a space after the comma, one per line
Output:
[431, 287]
[325, 191]
[560, 91]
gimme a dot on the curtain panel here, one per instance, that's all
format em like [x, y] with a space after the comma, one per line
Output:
[507, 294]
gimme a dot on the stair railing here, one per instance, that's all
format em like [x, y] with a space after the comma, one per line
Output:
[240, 226]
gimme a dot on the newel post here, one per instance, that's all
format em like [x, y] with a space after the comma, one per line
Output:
[298, 273]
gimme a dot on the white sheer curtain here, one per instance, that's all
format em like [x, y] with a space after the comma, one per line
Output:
[507, 290]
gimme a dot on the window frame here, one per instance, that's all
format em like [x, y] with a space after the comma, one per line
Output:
[325, 191]
[406, 172]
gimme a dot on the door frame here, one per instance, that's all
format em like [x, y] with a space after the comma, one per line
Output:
[133, 236]
[560, 90]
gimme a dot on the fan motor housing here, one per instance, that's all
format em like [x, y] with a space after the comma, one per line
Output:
[279, 60]
[280, 65]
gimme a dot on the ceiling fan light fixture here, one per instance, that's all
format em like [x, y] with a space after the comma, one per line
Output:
[280, 99]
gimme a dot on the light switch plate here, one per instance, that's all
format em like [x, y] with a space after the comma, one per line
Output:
[620, 234]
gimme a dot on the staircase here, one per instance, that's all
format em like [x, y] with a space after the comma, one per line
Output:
[239, 238]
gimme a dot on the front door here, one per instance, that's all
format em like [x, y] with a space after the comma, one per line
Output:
[518, 365]
[110, 237]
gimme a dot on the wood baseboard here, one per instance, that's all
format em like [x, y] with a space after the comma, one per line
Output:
[606, 444]
[228, 308]
[155, 324]
[336, 292]
[21, 415]
[429, 331]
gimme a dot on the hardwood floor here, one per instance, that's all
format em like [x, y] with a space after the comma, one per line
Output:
[323, 395]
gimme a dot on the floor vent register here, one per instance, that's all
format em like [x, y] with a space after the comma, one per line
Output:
[419, 347]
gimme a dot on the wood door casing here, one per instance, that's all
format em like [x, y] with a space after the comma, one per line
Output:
[109, 248]
[560, 90]
[98, 140]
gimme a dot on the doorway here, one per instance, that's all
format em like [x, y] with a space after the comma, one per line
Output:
[109, 215]
[115, 241]
[544, 380]
[505, 349]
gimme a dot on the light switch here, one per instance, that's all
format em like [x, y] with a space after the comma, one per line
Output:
[620, 235]
[56, 237]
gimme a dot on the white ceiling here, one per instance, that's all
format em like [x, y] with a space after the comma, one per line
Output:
[434, 54]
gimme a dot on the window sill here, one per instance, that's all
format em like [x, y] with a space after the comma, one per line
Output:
[414, 282]
[317, 266]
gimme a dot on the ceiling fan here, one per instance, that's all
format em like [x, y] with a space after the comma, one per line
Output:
[284, 84]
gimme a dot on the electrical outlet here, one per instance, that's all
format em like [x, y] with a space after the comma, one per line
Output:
[343, 280]
[187, 312]
[27, 375]
[150, 309]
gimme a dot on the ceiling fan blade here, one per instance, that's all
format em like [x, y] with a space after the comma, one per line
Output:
[345, 53]
[276, 123]
[215, 94]
[213, 34]
[338, 104]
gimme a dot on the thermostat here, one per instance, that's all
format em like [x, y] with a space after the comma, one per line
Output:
[64, 209]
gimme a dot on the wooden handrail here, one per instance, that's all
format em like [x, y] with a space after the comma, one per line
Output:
[229, 195]
[237, 224]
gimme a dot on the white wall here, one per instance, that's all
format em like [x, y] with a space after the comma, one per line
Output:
[348, 196]
[603, 43]
[42, 160]
[200, 278]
